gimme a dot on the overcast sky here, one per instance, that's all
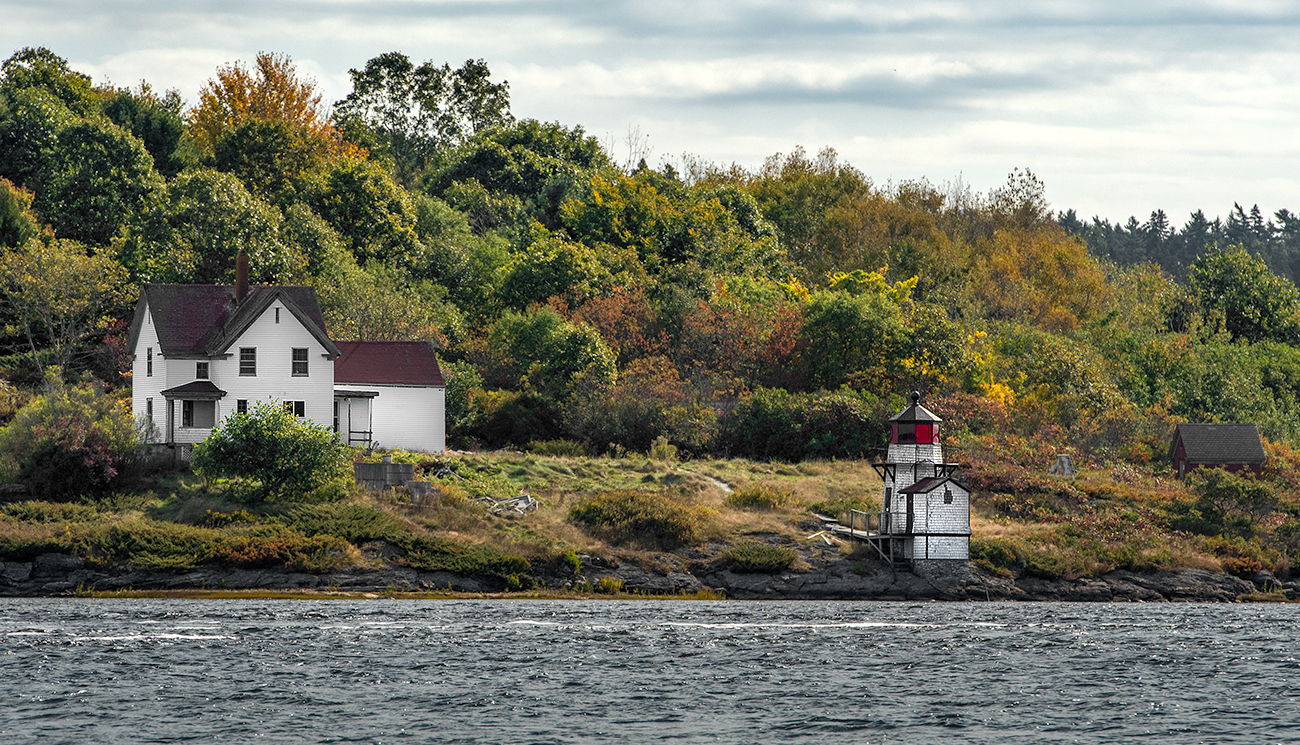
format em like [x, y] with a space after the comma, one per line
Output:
[1119, 107]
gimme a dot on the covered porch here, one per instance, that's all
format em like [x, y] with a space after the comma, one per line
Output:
[354, 416]
[193, 410]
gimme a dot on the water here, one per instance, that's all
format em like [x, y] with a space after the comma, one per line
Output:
[379, 671]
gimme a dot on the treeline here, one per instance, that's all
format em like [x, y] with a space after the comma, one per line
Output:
[775, 312]
[1276, 240]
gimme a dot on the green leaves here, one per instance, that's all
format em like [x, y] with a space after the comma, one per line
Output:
[290, 458]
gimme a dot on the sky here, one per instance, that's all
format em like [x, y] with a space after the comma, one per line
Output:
[1120, 108]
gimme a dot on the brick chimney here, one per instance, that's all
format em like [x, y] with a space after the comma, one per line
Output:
[241, 276]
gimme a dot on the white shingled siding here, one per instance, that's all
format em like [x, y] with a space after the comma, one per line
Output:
[144, 386]
[409, 417]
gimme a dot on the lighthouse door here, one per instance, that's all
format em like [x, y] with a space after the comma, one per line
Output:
[911, 515]
[885, 513]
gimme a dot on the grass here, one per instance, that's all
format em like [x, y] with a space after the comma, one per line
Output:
[748, 557]
[664, 515]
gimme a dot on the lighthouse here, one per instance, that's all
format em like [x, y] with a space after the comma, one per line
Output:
[925, 504]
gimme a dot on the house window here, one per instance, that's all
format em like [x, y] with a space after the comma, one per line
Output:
[297, 408]
[201, 370]
[248, 360]
[336, 416]
[241, 406]
[198, 414]
[277, 315]
[299, 362]
[148, 362]
[148, 410]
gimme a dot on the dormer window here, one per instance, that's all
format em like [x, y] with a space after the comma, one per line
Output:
[201, 371]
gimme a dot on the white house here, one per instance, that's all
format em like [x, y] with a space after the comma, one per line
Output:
[204, 352]
[391, 393]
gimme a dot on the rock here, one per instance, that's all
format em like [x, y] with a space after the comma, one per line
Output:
[55, 565]
[16, 571]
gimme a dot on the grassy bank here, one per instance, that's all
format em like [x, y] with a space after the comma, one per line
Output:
[662, 515]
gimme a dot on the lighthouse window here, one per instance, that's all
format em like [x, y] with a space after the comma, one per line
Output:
[947, 496]
[924, 434]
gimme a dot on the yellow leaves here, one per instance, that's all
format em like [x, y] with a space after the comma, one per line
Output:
[272, 91]
[859, 282]
[1040, 276]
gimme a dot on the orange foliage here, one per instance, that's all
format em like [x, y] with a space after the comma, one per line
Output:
[273, 92]
[1041, 276]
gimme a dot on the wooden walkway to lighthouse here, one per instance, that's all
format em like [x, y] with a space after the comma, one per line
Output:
[859, 529]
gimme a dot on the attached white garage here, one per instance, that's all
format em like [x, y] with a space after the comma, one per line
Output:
[390, 394]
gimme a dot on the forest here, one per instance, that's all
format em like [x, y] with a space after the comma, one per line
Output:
[583, 299]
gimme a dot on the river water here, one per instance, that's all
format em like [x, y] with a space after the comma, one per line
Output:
[465, 671]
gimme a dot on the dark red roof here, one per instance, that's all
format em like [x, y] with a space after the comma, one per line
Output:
[204, 319]
[387, 363]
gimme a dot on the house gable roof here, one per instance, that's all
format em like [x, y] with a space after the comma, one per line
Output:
[413, 363]
[204, 320]
[1219, 443]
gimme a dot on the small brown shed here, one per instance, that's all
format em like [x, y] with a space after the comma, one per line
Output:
[1233, 447]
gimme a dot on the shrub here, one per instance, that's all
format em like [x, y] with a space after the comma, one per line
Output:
[71, 443]
[562, 448]
[289, 458]
[355, 523]
[773, 424]
[645, 518]
[760, 497]
[47, 512]
[758, 558]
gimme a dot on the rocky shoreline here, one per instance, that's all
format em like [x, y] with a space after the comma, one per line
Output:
[53, 575]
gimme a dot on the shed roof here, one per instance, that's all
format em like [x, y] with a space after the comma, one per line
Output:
[925, 486]
[387, 363]
[1219, 443]
[204, 320]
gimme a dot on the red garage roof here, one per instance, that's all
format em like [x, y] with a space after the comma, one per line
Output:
[387, 363]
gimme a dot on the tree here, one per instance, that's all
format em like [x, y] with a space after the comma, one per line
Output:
[380, 302]
[29, 133]
[158, 122]
[198, 230]
[415, 111]
[38, 67]
[540, 349]
[272, 92]
[269, 157]
[370, 211]
[289, 458]
[98, 176]
[60, 297]
[17, 223]
[1256, 304]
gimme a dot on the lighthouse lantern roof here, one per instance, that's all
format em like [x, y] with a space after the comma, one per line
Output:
[915, 412]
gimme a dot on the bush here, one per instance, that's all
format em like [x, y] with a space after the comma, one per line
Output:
[353, 522]
[71, 443]
[289, 458]
[760, 497]
[562, 448]
[776, 425]
[646, 518]
[758, 558]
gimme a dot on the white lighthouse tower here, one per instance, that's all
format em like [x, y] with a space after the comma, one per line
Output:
[925, 507]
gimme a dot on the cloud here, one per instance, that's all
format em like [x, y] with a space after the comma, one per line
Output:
[1120, 106]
